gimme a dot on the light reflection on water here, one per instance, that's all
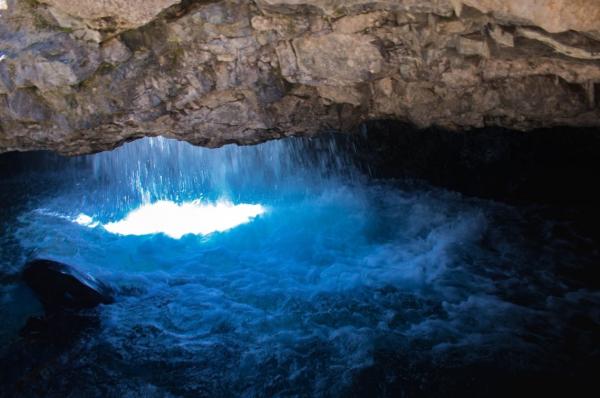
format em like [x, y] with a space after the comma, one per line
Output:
[178, 219]
[304, 298]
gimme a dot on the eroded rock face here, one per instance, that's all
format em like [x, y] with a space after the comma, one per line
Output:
[553, 16]
[107, 14]
[331, 59]
[79, 77]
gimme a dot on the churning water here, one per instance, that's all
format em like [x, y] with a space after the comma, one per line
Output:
[282, 270]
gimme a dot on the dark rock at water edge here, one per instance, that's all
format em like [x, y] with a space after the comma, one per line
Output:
[38, 354]
[60, 286]
[67, 295]
[546, 166]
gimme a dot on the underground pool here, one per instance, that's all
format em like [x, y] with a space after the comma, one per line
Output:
[287, 269]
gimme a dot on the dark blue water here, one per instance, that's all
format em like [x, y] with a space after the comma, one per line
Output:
[341, 286]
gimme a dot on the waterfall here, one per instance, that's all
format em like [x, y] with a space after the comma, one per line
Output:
[162, 185]
[155, 169]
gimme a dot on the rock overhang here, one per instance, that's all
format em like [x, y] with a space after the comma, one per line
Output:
[80, 78]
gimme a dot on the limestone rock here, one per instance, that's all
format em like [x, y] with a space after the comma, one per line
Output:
[42, 73]
[335, 7]
[3, 88]
[341, 95]
[27, 106]
[86, 76]
[115, 52]
[359, 23]
[467, 46]
[501, 36]
[113, 14]
[552, 16]
[334, 59]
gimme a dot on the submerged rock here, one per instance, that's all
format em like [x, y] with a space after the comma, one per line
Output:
[60, 286]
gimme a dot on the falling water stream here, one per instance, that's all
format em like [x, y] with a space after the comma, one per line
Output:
[283, 270]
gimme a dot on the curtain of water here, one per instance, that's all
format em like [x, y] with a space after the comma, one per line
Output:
[153, 169]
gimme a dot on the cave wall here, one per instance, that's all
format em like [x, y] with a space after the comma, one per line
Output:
[544, 166]
[85, 76]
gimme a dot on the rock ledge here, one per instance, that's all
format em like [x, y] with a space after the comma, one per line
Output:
[80, 77]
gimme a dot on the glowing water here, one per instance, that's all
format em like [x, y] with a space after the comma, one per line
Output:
[320, 281]
[176, 220]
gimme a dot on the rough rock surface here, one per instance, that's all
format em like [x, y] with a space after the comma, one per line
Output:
[111, 15]
[85, 76]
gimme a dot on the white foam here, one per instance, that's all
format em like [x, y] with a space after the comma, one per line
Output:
[86, 221]
[176, 220]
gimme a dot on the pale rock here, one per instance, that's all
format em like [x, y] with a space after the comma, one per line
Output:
[115, 52]
[120, 14]
[551, 15]
[262, 24]
[337, 7]
[359, 23]
[32, 71]
[283, 26]
[89, 35]
[385, 86]
[567, 70]
[501, 36]
[467, 46]
[336, 59]
[451, 27]
[287, 60]
[341, 95]
[65, 20]
[26, 105]
[457, 5]
[460, 77]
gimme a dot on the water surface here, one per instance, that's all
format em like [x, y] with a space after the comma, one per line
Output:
[342, 285]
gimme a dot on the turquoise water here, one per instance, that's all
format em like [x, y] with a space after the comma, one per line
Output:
[343, 286]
